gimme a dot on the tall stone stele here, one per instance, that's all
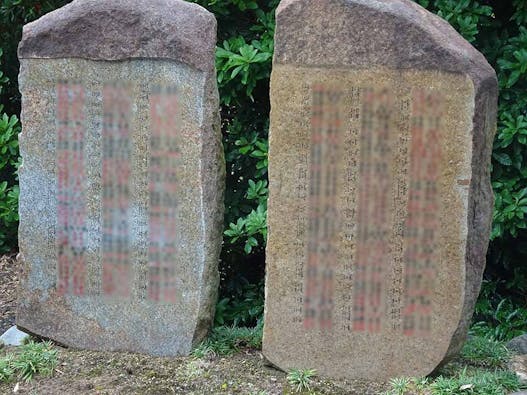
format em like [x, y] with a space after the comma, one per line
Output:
[380, 207]
[121, 189]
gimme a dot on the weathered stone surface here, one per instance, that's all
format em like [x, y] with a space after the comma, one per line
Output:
[518, 365]
[518, 344]
[380, 205]
[124, 29]
[121, 202]
[13, 337]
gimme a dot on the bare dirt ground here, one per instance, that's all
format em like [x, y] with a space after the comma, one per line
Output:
[86, 372]
[89, 372]
[8, 285]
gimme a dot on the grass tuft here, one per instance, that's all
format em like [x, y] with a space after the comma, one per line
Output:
[225, 340]
[478, 382]
[400, 385]
[34, 358]
[483, 352]
[300, 379]
[7, 370]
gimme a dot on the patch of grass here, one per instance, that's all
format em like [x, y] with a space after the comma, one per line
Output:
[496, 316]
[34, 358]
[300, 379]
[6, 368]
[409, 385]
[477, 382]
[484, 352]
[225, 340]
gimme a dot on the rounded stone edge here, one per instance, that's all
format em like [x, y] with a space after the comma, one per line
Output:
[213, 173]
[480, 204]
[124, 29]
[442, 47]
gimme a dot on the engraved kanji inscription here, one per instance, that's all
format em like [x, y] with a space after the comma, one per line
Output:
[116, 146]
[322, 230]
[373, 217]
[71, 198]
[163, 185]
[370, 216]
[422, 222]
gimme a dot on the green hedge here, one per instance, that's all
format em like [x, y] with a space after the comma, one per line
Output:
[9, 129]
[496, 27]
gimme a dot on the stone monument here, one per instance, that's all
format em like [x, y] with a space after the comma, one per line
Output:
[121, 189]
[380, 207]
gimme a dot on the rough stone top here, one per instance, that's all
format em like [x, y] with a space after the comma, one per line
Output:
[396, 34]
[124, 29]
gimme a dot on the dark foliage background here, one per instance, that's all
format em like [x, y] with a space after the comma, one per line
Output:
[498, 28]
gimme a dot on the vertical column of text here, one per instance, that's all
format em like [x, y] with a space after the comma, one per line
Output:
[299, 243]
[164, 158]
[322, 229]
[399, 210]
[71, 205]
[116, 190]
[349, 202]
[422, 224]
[373, 219]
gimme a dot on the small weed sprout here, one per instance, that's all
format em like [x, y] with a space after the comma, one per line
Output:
[29, 339]
[400, 385]
[300, 379]
[421, 383]
[204, 350]
[194, 369]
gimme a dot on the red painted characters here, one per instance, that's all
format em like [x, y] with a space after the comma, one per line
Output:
[117, 146]
[71, 199]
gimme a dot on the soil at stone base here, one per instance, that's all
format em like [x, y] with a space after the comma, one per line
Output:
[90, 372]
[8, 286]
